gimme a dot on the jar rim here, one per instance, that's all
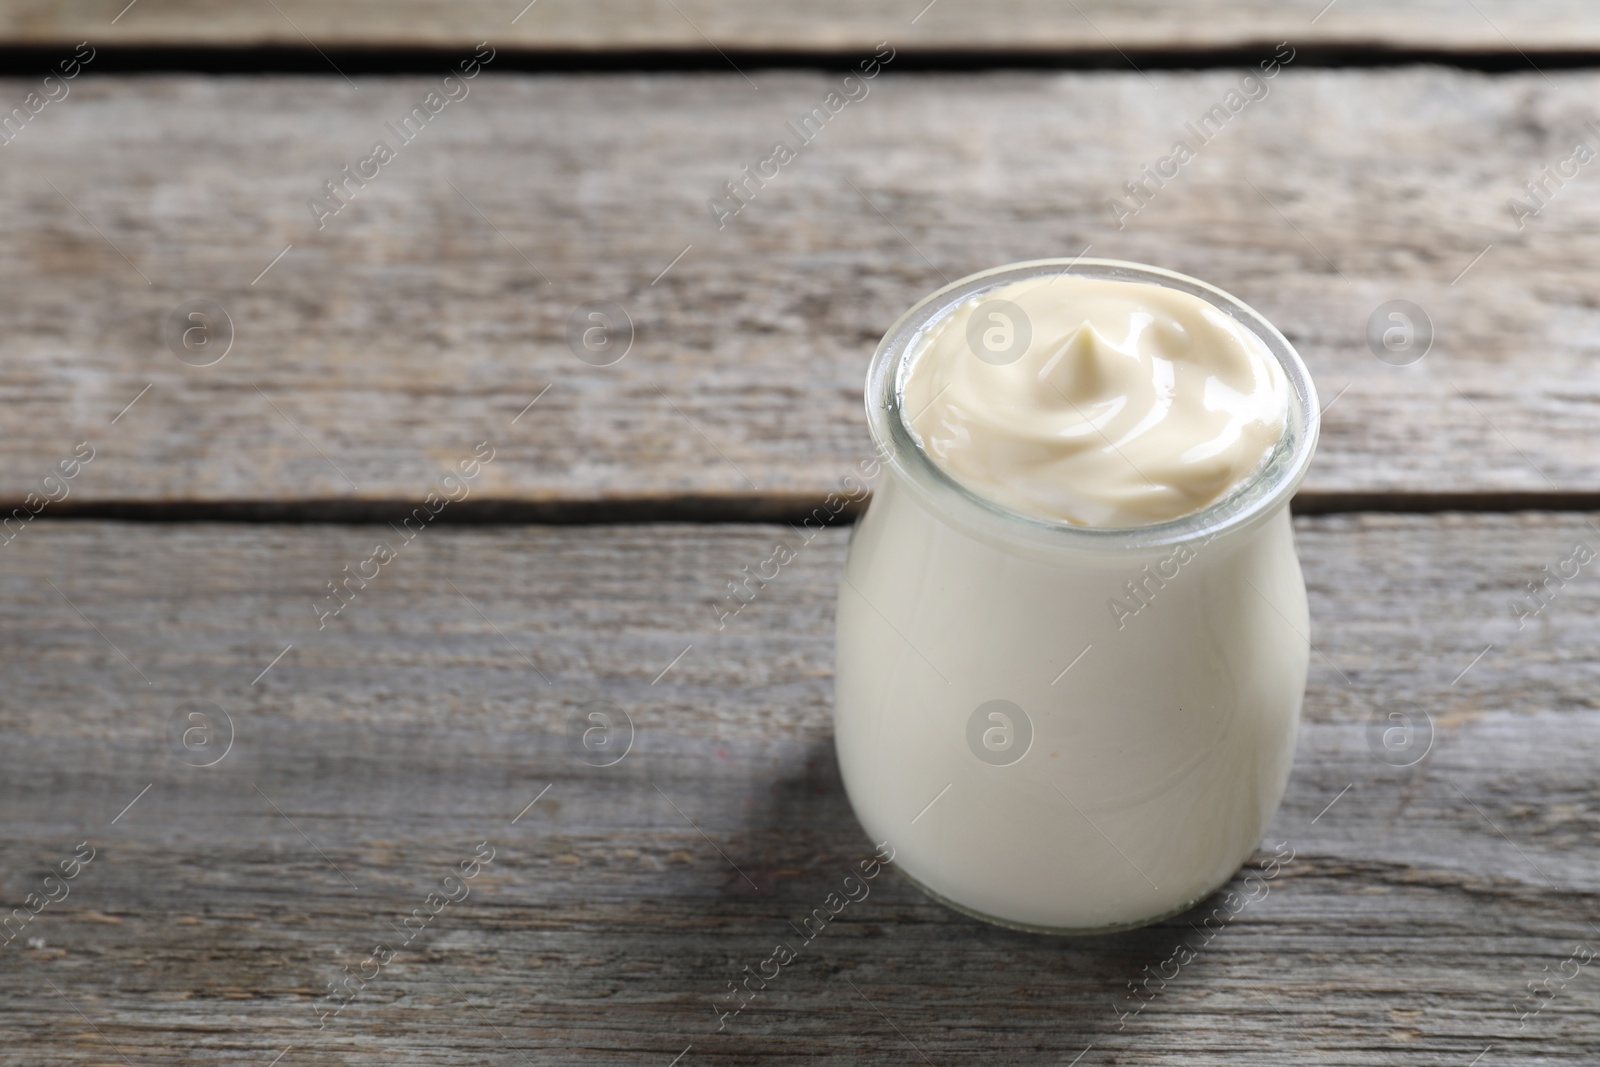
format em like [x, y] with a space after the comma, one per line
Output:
[1253, 500]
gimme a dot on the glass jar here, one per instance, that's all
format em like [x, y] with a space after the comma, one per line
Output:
[1062, 728]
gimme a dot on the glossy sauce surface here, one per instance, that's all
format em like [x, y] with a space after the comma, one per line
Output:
[1102, 403]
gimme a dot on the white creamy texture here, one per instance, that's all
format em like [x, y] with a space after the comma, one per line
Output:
[1131, 403]
[1157, 745]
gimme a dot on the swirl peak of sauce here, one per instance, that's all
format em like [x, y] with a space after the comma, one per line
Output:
[1102, 403]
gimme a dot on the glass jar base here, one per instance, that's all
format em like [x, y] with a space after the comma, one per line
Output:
[1064, 931]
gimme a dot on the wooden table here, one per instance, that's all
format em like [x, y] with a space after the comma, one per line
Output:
[357, 759]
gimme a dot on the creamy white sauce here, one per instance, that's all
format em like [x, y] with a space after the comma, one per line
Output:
[1051, 732]
[1103, 403]
[1150, 749]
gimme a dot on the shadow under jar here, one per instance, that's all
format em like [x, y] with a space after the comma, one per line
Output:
[1036, 756]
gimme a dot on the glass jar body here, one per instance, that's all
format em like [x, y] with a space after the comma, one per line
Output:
[1064, 738]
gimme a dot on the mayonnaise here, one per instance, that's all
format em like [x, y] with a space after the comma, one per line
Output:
[1103, 403]
[1083, 723]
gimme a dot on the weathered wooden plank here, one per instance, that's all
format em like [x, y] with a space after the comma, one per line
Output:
[434, 307]
[385, 747]
[819, 25]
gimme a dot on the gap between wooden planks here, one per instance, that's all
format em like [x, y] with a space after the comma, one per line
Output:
[999, 26]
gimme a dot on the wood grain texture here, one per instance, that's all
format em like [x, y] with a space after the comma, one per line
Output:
[818, 25]
[431, 311]
[377, 753]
